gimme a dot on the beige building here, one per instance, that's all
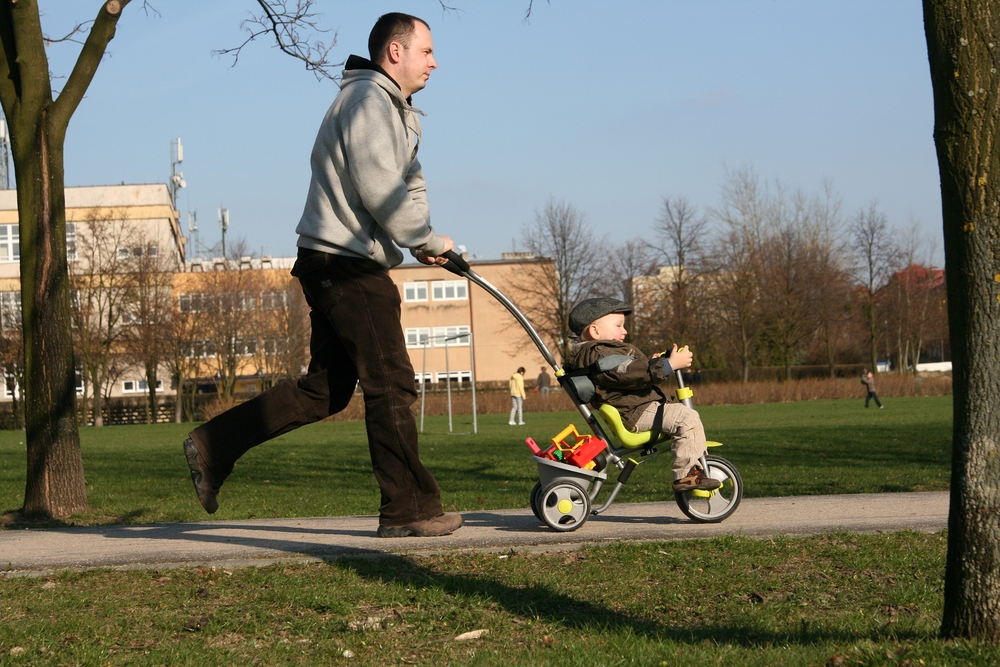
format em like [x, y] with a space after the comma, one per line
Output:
[451, 325]
[441, 310]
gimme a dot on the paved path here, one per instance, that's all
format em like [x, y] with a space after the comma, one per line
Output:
[263, 541]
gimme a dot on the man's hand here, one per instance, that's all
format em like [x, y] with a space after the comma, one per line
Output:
[680, 358]
[437, 259]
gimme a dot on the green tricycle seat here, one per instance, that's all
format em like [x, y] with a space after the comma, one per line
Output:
[613, 420]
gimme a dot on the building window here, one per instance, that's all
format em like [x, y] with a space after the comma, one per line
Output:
[71, 241]
[10, 243]
[196, 302]
[236, 301]
[245, 347]
[456, 376]
[273, 299]
[135, 386]
[452, 336]
[201, 349]
[450, 290]
[10, 310]
[415, 292]
[417, 337]
[423, 378]
[137, 251]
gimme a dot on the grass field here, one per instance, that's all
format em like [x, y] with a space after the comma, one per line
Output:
[837, 600]
[834, 600]
[137, 474]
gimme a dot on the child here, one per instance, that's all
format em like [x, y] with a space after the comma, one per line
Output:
[632, 387]
[517, 397]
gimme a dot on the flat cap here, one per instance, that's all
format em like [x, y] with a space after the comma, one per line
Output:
[589, 310]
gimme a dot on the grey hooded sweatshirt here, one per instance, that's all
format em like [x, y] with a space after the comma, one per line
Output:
[367, 194]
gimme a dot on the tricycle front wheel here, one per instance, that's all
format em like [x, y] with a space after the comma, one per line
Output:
[713, 506]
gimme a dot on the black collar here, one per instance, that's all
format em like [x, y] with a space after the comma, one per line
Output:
[357, 62]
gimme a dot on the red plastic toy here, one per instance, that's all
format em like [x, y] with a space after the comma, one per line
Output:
[580, 452]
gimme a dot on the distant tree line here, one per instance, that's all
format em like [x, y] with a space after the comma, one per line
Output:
[768, 277]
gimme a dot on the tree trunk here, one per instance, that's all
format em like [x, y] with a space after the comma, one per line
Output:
[55, 483]
[179, 402]
[962, 43]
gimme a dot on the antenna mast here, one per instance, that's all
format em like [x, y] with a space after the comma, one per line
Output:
[176, 177]
[224, 224]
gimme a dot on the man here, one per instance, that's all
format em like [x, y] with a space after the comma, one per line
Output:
[543, 382]
[366, 196]
[868, 380]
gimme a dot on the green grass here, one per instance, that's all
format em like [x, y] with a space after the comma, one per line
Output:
[831, 600]
[137, 474]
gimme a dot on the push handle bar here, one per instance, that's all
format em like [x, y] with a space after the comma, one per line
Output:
[456, 263]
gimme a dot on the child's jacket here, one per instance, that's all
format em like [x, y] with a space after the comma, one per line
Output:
[630, 386]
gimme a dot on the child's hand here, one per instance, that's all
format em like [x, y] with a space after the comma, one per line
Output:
[680, 358]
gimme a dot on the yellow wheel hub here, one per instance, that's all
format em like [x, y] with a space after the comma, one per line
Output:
[565, 506]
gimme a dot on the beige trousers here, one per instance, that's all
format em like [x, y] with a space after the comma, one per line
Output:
[684, 425]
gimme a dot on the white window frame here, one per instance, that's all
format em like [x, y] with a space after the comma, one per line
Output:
[71, 241]
[456, 376]
[440, 333]
[10, 244]
[273, 299]
[139, 386]
[415, 292]
[417, 336]
[423, 377]
[459, 290]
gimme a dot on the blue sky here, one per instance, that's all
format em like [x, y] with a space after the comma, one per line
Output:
[608, 106]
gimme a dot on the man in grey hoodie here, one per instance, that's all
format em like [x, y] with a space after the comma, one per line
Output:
[366, 197]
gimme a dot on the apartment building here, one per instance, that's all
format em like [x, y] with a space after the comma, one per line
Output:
[452, 327]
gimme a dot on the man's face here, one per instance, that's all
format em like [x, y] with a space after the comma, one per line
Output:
[416, 61]
[609, 327]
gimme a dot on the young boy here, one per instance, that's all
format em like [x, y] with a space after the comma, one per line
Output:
[632, 387]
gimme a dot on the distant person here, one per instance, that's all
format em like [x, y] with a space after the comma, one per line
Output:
[696, 377]
[517, 397]
[868, 379]
[366, 196]
[544, 382]
[633, 389]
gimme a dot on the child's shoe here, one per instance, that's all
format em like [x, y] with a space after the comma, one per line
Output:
[696, 479]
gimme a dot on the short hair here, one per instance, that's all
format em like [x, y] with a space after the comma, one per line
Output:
[521, 370]
[391, 27]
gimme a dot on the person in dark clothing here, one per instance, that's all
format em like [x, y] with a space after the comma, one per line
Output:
[366, 197]
[868, 379]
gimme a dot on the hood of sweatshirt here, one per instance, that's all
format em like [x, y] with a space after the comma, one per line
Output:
[362, 69]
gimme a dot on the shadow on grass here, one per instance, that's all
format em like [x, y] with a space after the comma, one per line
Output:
[537, 601]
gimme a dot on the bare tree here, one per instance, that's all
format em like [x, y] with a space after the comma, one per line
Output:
[12, 351]
[282, 329]
[833, 283]
[101, 302]
[150, 308]
[38, 123]
[876, 258]
[627, 266]
[547, 292]
[735, 294]
[962, 38]
[183, 351]
[681, 231]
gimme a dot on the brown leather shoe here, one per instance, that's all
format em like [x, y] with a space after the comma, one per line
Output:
[442, 524]
[696, 479]
[206, 484]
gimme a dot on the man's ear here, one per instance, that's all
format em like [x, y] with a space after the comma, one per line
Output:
[394, 52]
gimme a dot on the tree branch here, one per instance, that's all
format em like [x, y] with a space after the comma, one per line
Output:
[290, 26]
[86, 63]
